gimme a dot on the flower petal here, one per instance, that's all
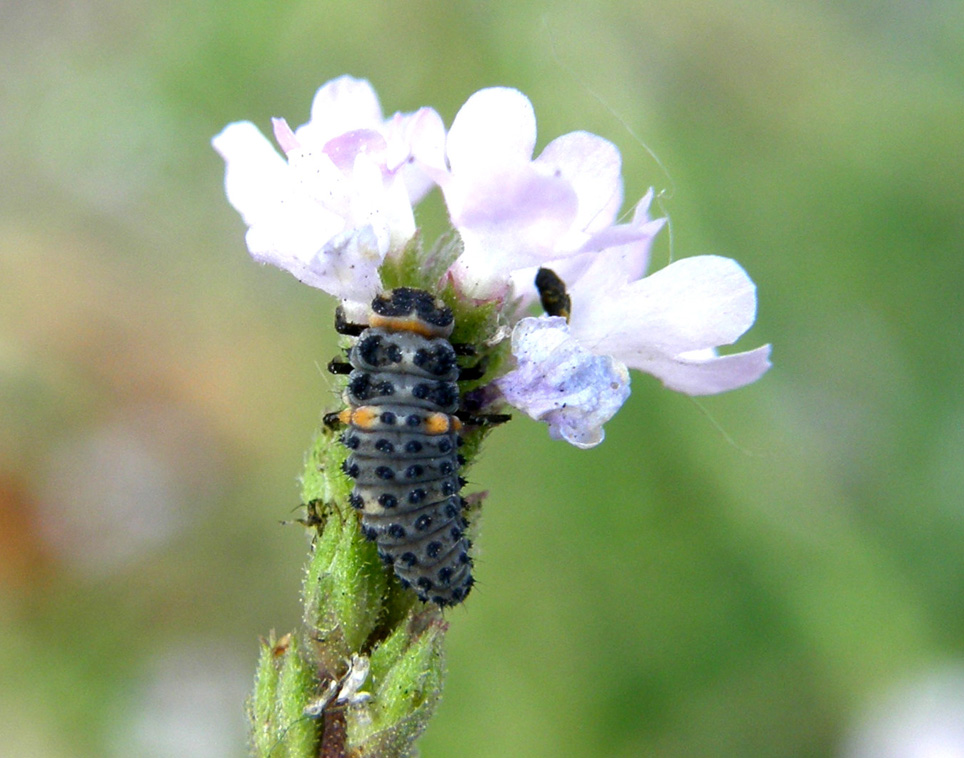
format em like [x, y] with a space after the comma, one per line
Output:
[284, 136]
[381, 202]
[292, 237]
[256, 178]
[417, 148]
[612, 259]
[286, 228]
[495, 127]
[336, 207]
[593, 272]
[509, 223]
[559, 382]
[341, 105]
[592, 166]
[345, 266]
[692, 304]
[343, 149]
[348, 266]
[697, 374]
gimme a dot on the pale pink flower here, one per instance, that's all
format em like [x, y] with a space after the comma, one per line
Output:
[342, 200]
[513, 212]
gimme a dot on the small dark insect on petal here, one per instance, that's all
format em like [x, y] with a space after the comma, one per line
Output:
[552, 293]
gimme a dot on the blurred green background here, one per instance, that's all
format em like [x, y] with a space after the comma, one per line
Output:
[740, 577]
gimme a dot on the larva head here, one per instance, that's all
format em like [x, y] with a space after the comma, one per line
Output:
[405, 309]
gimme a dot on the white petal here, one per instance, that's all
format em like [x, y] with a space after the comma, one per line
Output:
[559, 382]
[341, 105]
[697, 374]
[346, 266]
[256, 177]
[425, 134]
[292, 236]
[349, 265]
[380, 202]
[418, 150]
[592, 166]
[692, 304]
[319, 179]
[495, 127]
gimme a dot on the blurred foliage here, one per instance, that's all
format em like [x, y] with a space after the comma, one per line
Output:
[731, 577]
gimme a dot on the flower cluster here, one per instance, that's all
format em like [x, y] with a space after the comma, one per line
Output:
[339, 204]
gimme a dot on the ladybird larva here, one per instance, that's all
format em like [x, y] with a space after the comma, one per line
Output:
[403, 437]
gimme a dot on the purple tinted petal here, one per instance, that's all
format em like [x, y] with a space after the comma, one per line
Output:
[598, 275]
[284, 136]
[595, 272]
[623, 234]
[343, 149]
[543, 205]
[508, 224]
[559, 382]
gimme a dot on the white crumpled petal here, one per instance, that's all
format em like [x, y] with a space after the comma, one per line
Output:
[348, 265]
[345, 266]
[558, 381]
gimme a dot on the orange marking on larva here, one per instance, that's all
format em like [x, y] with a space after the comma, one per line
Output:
[438, 423]
[345, 416]
[364, 416]
[397, 324]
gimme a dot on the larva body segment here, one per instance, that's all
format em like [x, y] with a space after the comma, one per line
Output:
[403, 440]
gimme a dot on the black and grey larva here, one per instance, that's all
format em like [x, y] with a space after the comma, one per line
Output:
[403, 436]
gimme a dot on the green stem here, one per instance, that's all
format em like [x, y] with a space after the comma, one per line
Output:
[306, 700]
